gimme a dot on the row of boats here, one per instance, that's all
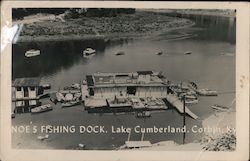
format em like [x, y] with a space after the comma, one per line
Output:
[185, 53]
[87, 53]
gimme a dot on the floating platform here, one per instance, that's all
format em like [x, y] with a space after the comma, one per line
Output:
[95, 102]
[137, 144]
[176, 102]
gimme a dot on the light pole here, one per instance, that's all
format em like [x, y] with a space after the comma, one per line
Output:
[184, 117]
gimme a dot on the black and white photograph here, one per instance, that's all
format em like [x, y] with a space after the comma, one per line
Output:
[121, 79]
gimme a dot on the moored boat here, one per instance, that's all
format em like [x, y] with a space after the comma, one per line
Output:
[143, 114]
[188, 53]
[89, 52]
[191, 101]
[70, 103]
[59, 97]
[206, 92]
[120, 53]
[42, 108]
[160, 53]
[43, 137]
[32, 53]
[219, 107]
[46, 86]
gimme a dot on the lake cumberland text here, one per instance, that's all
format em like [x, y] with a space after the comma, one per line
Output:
[154, 129]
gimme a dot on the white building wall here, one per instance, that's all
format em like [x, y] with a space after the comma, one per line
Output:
[19, 94]
[110, 92]
[141, 92]
[19, 103]
[32, 102]
[32, 93]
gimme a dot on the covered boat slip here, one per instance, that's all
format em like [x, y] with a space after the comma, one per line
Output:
[131, 91]
[129, 103]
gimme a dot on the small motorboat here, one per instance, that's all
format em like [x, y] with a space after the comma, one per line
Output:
[43, 137]
[89, 52]
[120, 53]
[69, 97]
[220, 108]
[42, 108]
[76, 86]
[70, 103]
[143, 114]
[53, 98]
[77, 96]
[59, 97]
[206, 92]
[188, 53]
[81, 146]
[46, 86]
[159, 53]
[193, 85]
[32, 53]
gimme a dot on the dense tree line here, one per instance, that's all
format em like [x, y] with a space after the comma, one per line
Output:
[19, 13]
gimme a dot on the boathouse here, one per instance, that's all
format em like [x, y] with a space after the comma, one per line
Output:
[26, 91]
[139, 84]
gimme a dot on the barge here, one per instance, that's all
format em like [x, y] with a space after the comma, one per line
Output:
[129, 92]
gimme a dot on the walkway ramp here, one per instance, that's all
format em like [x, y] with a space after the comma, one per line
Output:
[175, 102]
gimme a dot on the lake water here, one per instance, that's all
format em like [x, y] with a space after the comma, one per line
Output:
[211, 65]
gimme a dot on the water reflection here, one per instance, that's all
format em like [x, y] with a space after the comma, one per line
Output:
[56, 56]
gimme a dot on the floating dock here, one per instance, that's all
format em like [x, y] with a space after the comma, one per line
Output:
[138, 144]
[175, 102]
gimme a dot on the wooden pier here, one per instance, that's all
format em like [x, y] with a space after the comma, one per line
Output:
[176, 102]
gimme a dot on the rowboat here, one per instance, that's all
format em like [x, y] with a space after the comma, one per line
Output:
[42, 108]
[32, 53]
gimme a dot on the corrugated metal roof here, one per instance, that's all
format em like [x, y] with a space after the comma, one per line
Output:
[26, 82]
[145, 72]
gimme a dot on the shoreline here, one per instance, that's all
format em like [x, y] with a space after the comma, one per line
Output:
[220, 13]
[111, 37]
[210, 141]
[139, 25]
